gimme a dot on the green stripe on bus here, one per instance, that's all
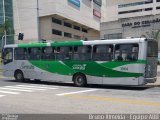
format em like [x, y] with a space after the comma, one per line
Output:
[33, 45]
[72, 43]
[114, 64]
[86, 67]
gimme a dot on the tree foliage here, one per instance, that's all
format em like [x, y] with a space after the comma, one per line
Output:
[155, 34]
[6, 26]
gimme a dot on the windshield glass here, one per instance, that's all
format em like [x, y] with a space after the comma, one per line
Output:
[152, 49]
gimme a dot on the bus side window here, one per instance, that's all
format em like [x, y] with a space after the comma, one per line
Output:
[20, 53]
[34, 53]
[48, 53]
[103, 53]
[63, 53]
[82, 53]
[126, 52]
[8, 55]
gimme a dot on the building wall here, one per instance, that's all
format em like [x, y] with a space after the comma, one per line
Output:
[115, 9]
[130, 27]
[27, 23]
[46, 26]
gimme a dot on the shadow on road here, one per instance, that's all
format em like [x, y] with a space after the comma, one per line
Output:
[115, 87]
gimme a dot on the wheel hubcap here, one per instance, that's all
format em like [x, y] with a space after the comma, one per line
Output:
[19, 76]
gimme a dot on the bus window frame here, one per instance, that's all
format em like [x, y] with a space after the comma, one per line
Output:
[124, 60]
[78, 55]
[107, 45]
[5, 61]
[26, 56]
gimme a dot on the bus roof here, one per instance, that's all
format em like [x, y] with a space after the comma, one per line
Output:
[81, 42]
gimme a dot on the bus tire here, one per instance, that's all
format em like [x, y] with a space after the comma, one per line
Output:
[80, 80]
[19, 76]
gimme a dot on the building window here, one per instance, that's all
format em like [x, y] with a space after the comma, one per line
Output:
[131, 11]
[76, 27]
[68, 24]
[77, 37]
[57, 32]
[148, 9]
[57, 21]
[98, 2]
[148, 1]
[84, 30]
[69, 35]
[158, 7]
[158, 0]
[131, 4]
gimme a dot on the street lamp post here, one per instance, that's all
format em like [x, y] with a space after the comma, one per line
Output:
[38, 21]
[4, 20]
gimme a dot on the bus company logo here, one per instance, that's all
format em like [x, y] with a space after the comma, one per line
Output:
[24, 66]
[79, 67]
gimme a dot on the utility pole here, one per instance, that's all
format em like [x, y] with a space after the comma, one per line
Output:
[38, 21]
[4, 20]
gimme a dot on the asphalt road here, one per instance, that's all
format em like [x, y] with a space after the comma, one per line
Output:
[60, 98]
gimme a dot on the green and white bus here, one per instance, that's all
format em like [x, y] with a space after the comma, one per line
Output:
[116, 62]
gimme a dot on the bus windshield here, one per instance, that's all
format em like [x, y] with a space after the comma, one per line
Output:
[152, 49]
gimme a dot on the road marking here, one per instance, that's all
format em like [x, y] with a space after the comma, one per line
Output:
[2, 95]
[8, 92]
[15, 89]
[24, 88]
[98, 98]
[33, 86]
[69, 93]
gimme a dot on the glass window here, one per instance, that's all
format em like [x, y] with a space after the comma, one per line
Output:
[69, 35]
[77, 27]
[57, 21]
[103, 53]
[152, 49]
[77, 37]
[20, 53]
[148, 9]
[126, 52]
[84, 30]
[68, 24]
[7, 55]
[34, 53]
[48, 53]
[82, 53]
[63, 53]
[57, 32]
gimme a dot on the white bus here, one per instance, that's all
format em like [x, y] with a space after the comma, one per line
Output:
[115, 62]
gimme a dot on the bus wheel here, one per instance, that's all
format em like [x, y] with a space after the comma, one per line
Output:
[19, 76]
[80, 80]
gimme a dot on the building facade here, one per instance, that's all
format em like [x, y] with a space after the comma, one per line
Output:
[8, 5]
[59, 20]
[130, 18]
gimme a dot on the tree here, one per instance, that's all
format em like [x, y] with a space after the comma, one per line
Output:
[6, 26]
[155, 34]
